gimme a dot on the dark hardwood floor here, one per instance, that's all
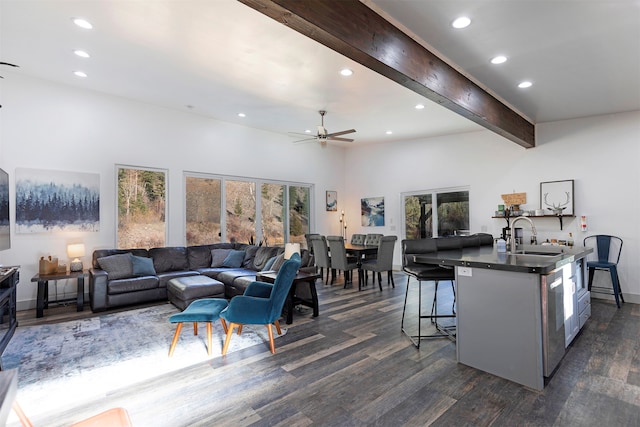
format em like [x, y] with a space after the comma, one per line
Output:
[351, 366]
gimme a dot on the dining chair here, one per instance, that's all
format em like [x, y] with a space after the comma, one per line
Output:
[383, 261]
[358, 239]
[307, 238]
[321, 256]
[607, 250]
[339, 260]
[261, 303]
[372, 239]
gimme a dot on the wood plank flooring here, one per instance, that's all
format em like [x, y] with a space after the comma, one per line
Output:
[351, 366]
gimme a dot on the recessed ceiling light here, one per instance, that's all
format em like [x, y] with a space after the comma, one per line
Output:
[82, 53]
[525, 84]
[82, 23]
[346, 72]
[499, 59]
[307, 131]
[242, 115]
[419, 106]
[80, 73]
[389, 132]
[461, 22]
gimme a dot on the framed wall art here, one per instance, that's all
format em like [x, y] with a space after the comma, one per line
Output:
[556, 197]
[49, 201]
[332, 201]
[372, 211]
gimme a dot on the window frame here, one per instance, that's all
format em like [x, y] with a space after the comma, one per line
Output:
[434, 203]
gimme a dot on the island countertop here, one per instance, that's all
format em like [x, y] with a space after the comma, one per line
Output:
[540, 259]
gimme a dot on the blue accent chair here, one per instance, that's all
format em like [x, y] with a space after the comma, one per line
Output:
[261, 303]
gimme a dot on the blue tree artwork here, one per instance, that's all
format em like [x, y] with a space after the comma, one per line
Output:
[49, 201]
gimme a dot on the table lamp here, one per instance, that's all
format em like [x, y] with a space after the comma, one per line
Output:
[290, 249]
[75, 251]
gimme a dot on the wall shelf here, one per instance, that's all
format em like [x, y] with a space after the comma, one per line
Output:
[507, 218]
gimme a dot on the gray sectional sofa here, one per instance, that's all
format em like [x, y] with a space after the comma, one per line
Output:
[121, 277]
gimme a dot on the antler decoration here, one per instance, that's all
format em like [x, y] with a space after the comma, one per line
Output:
[557, 209]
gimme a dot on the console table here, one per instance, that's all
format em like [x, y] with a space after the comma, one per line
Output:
[9, 278]
[43, 289]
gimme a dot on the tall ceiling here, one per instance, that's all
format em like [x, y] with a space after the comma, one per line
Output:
[219, 58]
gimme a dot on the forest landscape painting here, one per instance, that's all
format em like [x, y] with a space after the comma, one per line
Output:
[50, 201]
[372, 211]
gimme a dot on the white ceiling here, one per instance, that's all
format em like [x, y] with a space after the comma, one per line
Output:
[217, 58]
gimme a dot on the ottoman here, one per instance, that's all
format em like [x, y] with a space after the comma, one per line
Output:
[203, 310]
[182, 291]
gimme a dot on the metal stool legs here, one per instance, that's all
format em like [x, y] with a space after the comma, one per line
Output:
[441, 330]
[615, 283]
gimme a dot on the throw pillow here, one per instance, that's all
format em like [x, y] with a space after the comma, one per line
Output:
[278, 262]
[142, 266]
[269, 264]
[117, 266]
[234, 259]
[218, 256]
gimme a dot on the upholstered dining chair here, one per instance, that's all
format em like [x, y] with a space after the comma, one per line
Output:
[261, 303]
[358, 239]
[339, 259]
[321, 256]
[382, 262]
[372, 239]
[307, 238]
[607, 251]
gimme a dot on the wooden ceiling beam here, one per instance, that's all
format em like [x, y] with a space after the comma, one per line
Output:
[354, 30]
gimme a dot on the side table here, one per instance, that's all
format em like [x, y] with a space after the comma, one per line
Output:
[43, 289]
[292, 298]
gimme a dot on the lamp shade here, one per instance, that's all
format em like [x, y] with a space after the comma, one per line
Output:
[75, 250]
[290, 249]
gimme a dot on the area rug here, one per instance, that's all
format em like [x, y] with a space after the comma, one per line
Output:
[85, 359]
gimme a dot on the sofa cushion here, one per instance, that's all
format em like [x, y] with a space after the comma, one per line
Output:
[264, 254]
[100, 253]
[218, 256]
[117, 266]
[278, 262]
[169, 259]
[131, 284]
[249, 256]
[142, 266]
[234, 259]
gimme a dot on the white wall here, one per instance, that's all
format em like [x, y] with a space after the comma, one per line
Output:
[47, 126]
[601, 154]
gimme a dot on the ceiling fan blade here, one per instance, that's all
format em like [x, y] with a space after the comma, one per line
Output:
[344, 132]
[305, 140]
[334, 138]
[10, 65]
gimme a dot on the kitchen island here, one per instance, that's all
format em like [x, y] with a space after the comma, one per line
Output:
[516, 313]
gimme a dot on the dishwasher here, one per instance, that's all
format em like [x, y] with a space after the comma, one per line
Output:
[553, 337]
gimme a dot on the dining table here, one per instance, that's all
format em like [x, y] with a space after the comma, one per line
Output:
[360, 252]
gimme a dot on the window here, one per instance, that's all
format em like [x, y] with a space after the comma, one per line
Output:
[225, 209]
[299, 213]
[141, 208]
[273, 214]
[450, 217]
[203, 210]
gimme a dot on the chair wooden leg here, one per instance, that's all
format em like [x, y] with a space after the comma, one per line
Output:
[224, 325]
[209, 337]
[24, 421]
[195, 328]
[379, 280]
[227, 340]
[239, 329]
[272, 344]
[277, 323]
[175, 339]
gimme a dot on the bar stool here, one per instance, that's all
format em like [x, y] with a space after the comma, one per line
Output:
[608, 249]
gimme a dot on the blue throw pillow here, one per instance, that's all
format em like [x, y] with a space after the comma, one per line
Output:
[143, 266]
[234, 259]
[269, 264]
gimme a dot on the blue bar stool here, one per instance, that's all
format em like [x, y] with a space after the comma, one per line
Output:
[608, 249]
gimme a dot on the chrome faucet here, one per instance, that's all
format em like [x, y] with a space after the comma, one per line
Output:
[512, 237]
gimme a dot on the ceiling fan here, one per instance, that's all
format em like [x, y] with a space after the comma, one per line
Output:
[10, 65]
[323, 135]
